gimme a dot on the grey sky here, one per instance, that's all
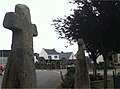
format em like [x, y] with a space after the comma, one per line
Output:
[42, 13]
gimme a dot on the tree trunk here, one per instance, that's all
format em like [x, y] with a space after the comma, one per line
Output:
[82, 79]
[95, 68]
[105, 57]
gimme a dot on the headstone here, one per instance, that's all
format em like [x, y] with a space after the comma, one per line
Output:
[82, 80]
[20, 69]
[116, 80]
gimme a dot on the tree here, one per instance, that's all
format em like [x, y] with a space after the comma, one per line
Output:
[93, 54]
[109, 23]
[97, 22]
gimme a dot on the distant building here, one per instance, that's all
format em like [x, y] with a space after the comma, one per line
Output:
[49, 54]
[67, 55]
[4, 56]
[54, 55]
[118, 58]
[37, 58]
[115, 58]
[100, 59]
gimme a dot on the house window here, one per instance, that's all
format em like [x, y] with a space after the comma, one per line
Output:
[55, 56]
[49, 57]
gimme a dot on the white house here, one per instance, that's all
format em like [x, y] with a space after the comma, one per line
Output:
[67, 55]
[115, 58]
[100, 59]
[118, 56]
[49, 54]
[54, 55]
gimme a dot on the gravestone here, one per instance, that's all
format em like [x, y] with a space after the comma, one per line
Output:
[116, 80]
[82, 80]
[20, 68]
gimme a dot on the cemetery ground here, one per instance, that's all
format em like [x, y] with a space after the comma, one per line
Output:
[100, 84]
[52, 79]
[46, 78]
[97, 84]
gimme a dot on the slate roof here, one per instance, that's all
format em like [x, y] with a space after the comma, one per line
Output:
[40, 58]
[51, 51]
[4, 53]
[65, 55]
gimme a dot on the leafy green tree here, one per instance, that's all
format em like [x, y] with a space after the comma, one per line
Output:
[97, 23]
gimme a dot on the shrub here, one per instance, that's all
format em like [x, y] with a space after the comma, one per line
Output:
[69, 79]
[94, 78]
[101, 66]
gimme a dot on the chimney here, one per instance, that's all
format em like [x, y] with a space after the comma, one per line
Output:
[62, 52]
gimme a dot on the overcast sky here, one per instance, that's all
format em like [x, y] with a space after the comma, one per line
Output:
[42, 14]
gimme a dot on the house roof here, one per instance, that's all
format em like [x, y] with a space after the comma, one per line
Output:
[51, 51]
[40, 58]
[65, 55]
[4, 53]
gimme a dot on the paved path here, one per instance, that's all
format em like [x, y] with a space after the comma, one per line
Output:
[47, 79]
[0, 81]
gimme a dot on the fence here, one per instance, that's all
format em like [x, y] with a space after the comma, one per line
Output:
[53, 64]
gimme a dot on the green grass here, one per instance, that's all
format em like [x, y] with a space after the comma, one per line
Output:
[100, 85]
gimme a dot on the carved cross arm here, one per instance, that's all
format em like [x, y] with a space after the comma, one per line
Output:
[13, 21]
[34, 28]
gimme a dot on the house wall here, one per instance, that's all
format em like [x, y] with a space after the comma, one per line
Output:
[3, 61]
[100, 59]
[72, 56]
[53, 56]
[115, 57]
[35, 59]
[118, 58]
[43, 54]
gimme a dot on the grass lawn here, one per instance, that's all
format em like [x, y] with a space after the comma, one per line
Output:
[100, 85]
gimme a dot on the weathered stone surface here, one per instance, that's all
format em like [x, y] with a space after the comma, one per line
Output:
[20, 69]
[35, 33]
[82, 80]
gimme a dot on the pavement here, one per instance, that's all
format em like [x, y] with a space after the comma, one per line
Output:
[47, 79]
[1, 77]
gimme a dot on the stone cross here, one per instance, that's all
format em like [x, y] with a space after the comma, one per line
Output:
[20, 69]
[20, 24]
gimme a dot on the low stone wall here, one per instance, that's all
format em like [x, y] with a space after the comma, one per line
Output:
[53, 64]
